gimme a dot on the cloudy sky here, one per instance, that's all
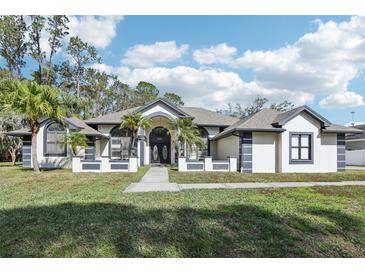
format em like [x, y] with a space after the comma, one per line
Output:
[213, 60]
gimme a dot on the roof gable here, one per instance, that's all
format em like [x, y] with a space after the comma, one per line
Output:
[285, 117]
[167, 105]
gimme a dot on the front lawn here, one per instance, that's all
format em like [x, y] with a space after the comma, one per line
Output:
[9, 164]
[60, 214]
[237, 177]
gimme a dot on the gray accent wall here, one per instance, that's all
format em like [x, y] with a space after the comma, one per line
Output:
[221, 166]
[194, 166]
[26, 153]
[91, 166]
[245, 152]
[118, 166]
[90, 150]
[341, 153]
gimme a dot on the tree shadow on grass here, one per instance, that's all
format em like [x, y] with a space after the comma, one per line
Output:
[117, 230]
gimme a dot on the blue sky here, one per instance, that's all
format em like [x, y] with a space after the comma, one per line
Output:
[213, 60]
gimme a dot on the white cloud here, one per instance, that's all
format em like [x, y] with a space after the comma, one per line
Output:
[319, 63]
[221, 53]
[211, 88]
[158, 53]
[95, 30]
[344, 99]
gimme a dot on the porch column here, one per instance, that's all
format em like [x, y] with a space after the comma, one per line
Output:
[142, 139]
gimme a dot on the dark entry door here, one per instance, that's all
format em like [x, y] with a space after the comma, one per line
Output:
[160, 145]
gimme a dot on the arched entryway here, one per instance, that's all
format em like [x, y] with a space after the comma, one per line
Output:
[160, 145]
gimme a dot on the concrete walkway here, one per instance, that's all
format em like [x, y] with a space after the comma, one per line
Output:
[148, 186]
[155, 179]
[156, 174]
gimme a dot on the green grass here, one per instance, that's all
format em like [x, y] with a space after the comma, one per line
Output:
[236, 177]
[9, 164]
[60, 214]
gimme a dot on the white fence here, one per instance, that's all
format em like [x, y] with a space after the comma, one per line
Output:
[104, 165]
[208, 164]
[355, 157]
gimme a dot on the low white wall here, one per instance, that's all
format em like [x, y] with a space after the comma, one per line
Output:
[104, 165]
[208, 164]
[355, 157]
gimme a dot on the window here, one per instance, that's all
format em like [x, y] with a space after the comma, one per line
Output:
[55, 140]
[119, 143]
[301, 148]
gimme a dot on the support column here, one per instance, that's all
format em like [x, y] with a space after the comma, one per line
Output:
[245, 152]
[142, 139]
[27, 151]
[341, 155]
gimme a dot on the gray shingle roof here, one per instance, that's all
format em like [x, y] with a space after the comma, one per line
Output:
[80, 124]
[270, 119]
[112, 118]
[84, 128]
[283, 117]
[341, 129]
[201, 117]
[19, 132]
[208, 117]
[260, 121]
[357, 136]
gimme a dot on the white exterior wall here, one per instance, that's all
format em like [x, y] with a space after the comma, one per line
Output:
[227, 147]
[213, 149]
[104, 143]
[324, 146]
[264, 149]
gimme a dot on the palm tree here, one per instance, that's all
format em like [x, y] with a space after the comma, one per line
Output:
[185, 134]
[76, 140]
[34, 102]
[133, 122]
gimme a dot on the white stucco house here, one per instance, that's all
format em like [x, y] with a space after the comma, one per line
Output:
[355, 147]
[299, 140]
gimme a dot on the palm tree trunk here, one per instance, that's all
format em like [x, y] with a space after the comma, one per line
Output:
[13, 157]
[131, 143]
[34, 129]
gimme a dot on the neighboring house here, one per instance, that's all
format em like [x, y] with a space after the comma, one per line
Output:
[299, 140]
[355, 147]
[356, 141]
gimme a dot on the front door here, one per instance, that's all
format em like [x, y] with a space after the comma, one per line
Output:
[160, 145]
